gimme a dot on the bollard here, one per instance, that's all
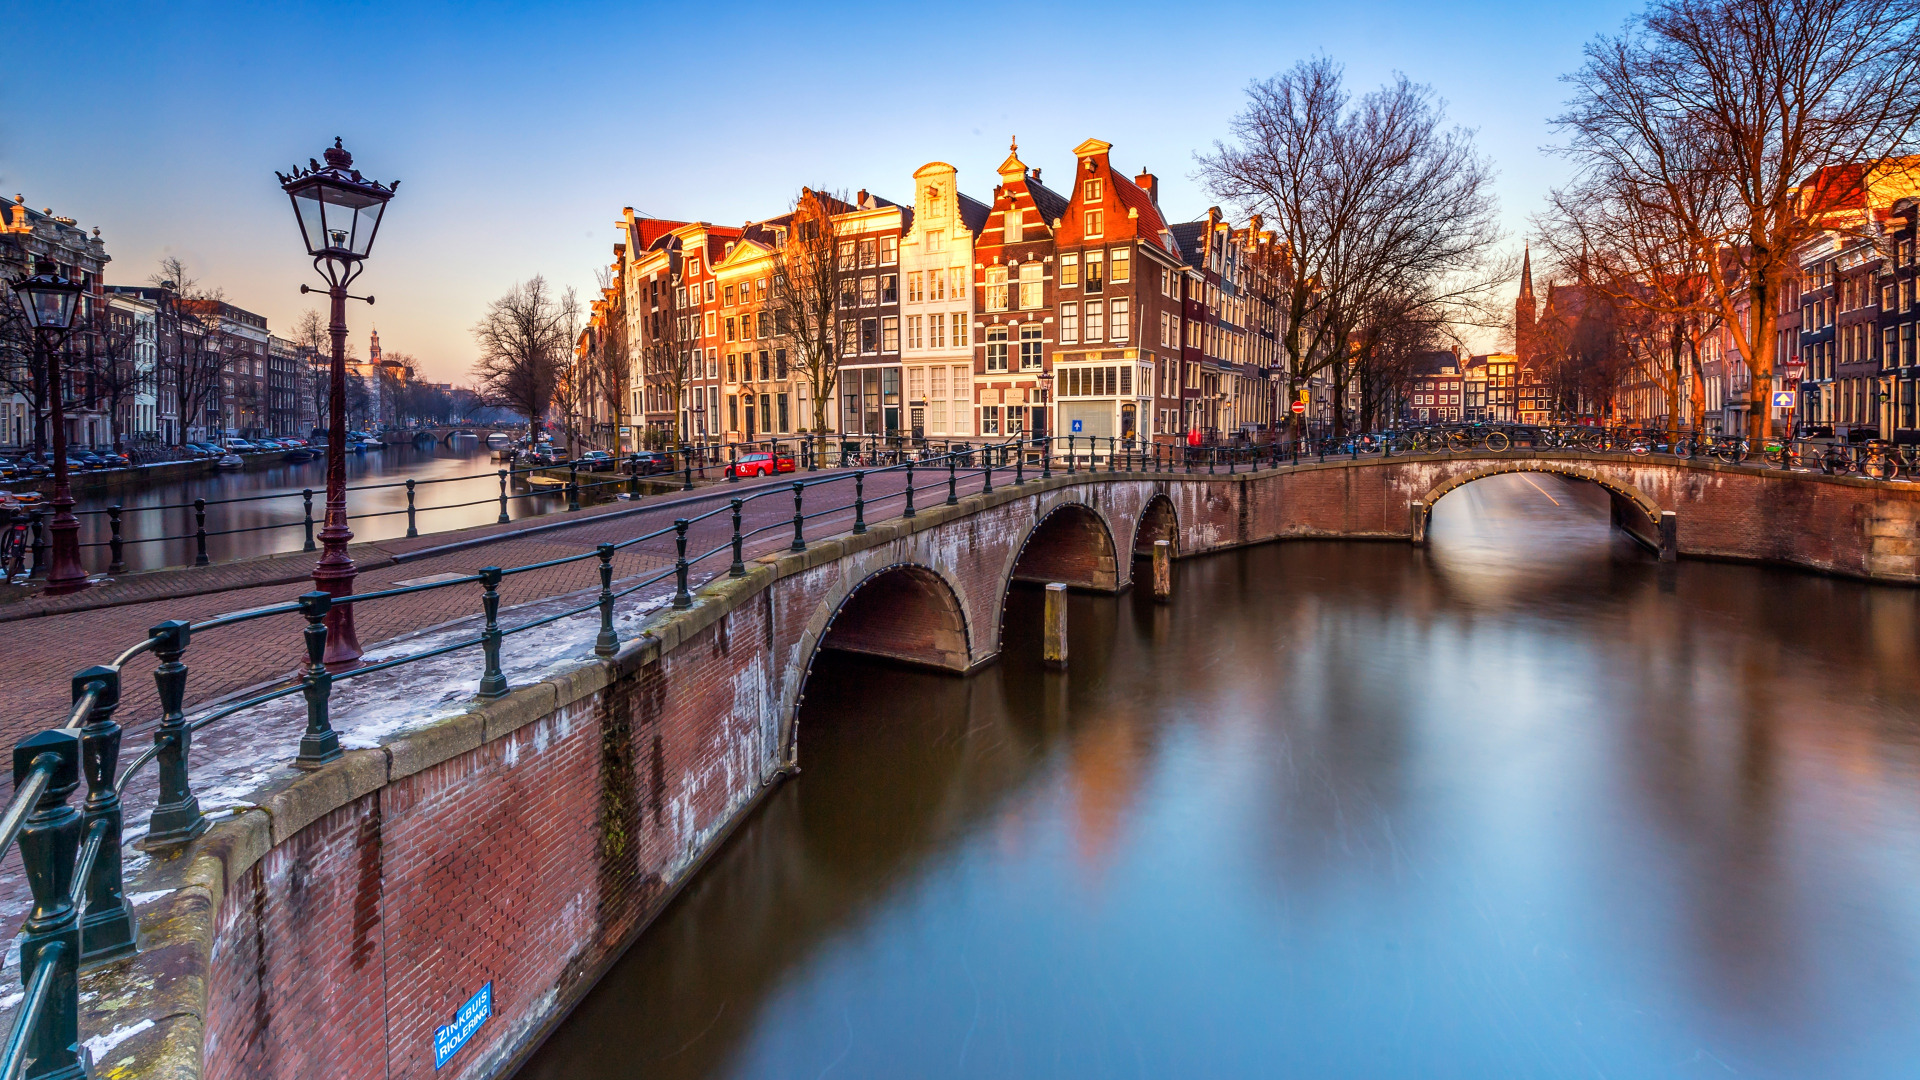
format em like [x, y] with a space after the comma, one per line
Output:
[573, 487]
[633, 476]
[199, 532]
[306, 495]
[176, 816]
[733, 464]
[503, 519]
[799, 518]
[49, 841]
[106, 931]
[493, 682]
[116, 564]
[909, 510]
[1020, 462]
[953, 478]
[608, 642]
[1054, 648]
[1162, 570]
[859, 501]
[1071, 463]
[412, 529]
[686, 462]
[986, 471]
[320, 743]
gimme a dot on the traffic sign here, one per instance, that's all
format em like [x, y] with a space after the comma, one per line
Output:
[1076, 427]
[1299, 407]
[1783, 399]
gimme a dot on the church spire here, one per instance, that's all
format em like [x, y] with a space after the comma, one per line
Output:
[1525, 311]
[1526, 272]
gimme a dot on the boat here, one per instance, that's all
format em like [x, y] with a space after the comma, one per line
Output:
[300, 454]
[499, 440]
[230, 461]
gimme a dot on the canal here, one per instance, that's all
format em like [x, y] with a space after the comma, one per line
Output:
[261, 511]
[1526, 803]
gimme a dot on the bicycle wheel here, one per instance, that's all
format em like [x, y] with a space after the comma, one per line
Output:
[1497, 441]
[1458, 442]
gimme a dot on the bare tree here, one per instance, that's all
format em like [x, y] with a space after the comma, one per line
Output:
[1373, 199]
[807, 278]
[526, 338]
[189, 354]
[1748, 127]
[666, 341]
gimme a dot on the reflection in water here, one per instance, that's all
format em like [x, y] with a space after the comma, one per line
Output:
[265, 526]
[1525, 804]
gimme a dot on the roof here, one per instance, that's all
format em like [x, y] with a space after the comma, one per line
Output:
[1151, 224]
[1187, 235]
[1430, 363]
[1051, 204]
[973, 212]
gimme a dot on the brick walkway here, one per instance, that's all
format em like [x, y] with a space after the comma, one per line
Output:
[42, 653]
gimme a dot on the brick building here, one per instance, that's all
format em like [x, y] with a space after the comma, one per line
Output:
[937, 304]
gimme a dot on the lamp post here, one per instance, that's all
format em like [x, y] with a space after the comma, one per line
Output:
[339, 212]
[1046, 408]
[49, 301]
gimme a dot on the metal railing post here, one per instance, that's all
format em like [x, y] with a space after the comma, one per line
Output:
[493, 684]
[953, 478]
[799, 518]
[739, 567]
[320, 744]
[682, 599]
[686, 463]
[106, 930]
[573, 486]
[1045, 443]
[733, 463]
[199, 532]
[176, 816]
[116, 563]
[50, 941]
[412, 529]
[909, 510]
[306, 495]
[503, 518]
[860, 501]
[608, 642]
[1072, 457]
[1020, 461]
[986, 470]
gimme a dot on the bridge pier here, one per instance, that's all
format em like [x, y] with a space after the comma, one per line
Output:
[1162, 571]
[1054, 648]
[1669, 536]
[1417, 523]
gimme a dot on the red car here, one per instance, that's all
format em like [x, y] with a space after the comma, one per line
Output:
[760, 465]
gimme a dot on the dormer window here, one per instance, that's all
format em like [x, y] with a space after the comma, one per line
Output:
[1094, 190]
[1096, 222]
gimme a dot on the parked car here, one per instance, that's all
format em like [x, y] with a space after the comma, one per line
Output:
[650, 462]
[760, 465]
[84, 459]
[240, 446]
[543, 455]
[205, 450]
[8, 470]
[114, 459]
[596, 461]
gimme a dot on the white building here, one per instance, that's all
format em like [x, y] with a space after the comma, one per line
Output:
[140, 413]
[936, 304]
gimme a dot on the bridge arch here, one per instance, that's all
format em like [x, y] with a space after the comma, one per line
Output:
[1072, 542]
[900, 611]
[1158, 521]
[1633, 509]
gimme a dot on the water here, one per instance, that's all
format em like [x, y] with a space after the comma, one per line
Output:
[266, 526]
[1527, 804]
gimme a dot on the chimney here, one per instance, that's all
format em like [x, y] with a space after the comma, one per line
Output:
[1036, 174]
[861, 200]
[1150, 184]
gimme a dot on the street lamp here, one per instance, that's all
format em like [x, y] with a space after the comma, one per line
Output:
[49, 301]
[1046, 406]
[339, 213]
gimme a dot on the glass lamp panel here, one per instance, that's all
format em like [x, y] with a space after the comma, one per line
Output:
[366, 222]
[306, 203]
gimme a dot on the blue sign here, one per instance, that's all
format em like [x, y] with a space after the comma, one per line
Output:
[1076, 427]
[448, 1040]
[1783, 399]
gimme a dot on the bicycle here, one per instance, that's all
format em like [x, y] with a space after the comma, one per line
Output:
[14, 545]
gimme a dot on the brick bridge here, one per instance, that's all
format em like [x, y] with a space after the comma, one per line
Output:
[334, 919]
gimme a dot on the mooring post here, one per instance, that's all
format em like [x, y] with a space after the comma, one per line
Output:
[1417, 523]
[1054, 651]
[1162, 570]
[1669, 536]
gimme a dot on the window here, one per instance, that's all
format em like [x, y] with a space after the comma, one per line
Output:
[939, 382]
[1012, 224]
[1093, 190]
[913, 288]
[959, 328]
[849, 336]
[786, 421]
[869, 291]
[762, 327]
[766, 369]
[730, 329]
[936, 240]
[936, 331]
[1096, 222]
[1166, 282]
[1030, 347]
[733, 412]
[1095, 272]
[913, 332]
[989, 419]
[693, 267]
[1031, 289]
[996, 288]
[957, 286]
[780, 363]
[1120, 266]
[709, 292]
[889, 288]
[889, 250]
[1095, 313]
[936, 285]
[729, 296]
[1069, 270]
[1069, 323]
[1166, 330]
[996, 348]
[710, 323]
[849, 292]
[869, 335]
[869, 252]
[846, 254]
[761, 287]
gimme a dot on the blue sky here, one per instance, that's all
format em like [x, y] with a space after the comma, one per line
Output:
[520, 130]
